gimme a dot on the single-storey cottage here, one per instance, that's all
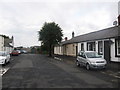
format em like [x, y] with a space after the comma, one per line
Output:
[106, 42]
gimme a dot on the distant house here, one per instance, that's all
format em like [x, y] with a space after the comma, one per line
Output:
[6, 43]
[35, 49]
[106, 42]
[68, 47]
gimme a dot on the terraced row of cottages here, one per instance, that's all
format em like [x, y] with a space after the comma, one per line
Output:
[106, 42]
[6, 43]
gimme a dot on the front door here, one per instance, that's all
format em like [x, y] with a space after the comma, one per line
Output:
[76, 51]
[107, 51]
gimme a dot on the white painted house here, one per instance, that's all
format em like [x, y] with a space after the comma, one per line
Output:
[106, 42]
[6, 43]
[1, 43]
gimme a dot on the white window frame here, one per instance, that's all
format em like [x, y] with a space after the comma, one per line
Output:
[118, 47]
[82, 48]
[93, 45]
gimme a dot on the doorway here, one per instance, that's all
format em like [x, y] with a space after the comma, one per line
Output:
[107, 51]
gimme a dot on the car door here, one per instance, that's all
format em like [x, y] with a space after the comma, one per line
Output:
[79, 58]
[84, 61]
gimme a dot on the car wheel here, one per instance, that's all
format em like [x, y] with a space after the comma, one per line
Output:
[8, 61]
[4, 63]
[77, 63]
[87, 66]
[104, 68]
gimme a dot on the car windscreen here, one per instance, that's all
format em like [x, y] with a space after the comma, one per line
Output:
[92, 55]
[3, 54]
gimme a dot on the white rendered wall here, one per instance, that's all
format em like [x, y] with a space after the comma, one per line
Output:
[96, 46]
[113, 58]
[85, 46]
[1, 43]
[58, 50]
[79, 47]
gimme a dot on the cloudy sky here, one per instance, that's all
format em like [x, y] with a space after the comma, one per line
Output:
[24, 18]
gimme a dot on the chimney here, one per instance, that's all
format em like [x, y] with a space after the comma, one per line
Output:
[72, 34]
[12, 37]
[119, 20]
[65, 38]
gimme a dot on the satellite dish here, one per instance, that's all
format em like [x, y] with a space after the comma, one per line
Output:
[115, 23]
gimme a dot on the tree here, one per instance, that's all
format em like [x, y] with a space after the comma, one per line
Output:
[50, 35]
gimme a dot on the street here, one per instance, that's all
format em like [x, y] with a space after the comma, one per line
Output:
[41, 71]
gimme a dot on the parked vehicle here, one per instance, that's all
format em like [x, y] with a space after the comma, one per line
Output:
[23, 51]
[4, 57]
[91, 60]
[14, 53]
[19, 51]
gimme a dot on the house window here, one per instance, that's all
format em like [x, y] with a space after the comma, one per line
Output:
[118, 47]
[100, 48]
[82, 47]
[91, 46]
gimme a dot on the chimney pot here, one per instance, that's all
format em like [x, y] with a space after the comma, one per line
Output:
[72, 34]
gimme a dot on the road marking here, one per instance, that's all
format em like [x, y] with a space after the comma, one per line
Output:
[57, 58]
[3, 71]
[103, 72]
[112, 73]
[117, 76]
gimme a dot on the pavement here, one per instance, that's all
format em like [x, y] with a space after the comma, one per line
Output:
[113, 66]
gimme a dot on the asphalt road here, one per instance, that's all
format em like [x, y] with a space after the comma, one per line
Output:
[40, 71]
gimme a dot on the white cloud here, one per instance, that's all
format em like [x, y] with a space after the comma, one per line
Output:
[24, 19]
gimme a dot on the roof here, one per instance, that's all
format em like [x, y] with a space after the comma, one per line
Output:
[7, 42]
[97, 35]
[4, 36]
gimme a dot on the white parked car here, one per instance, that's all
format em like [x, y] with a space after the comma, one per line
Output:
[90, 59]
[4, 57]
[19, 51]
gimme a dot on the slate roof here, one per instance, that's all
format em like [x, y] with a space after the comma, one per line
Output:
[7, 42]
[97, 35]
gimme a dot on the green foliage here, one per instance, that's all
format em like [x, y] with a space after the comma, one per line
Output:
[50, 34]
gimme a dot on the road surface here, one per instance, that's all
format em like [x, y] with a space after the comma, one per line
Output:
[40, 71]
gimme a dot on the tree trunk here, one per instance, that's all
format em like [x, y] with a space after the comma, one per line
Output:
[50, 50]
[53, 50]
